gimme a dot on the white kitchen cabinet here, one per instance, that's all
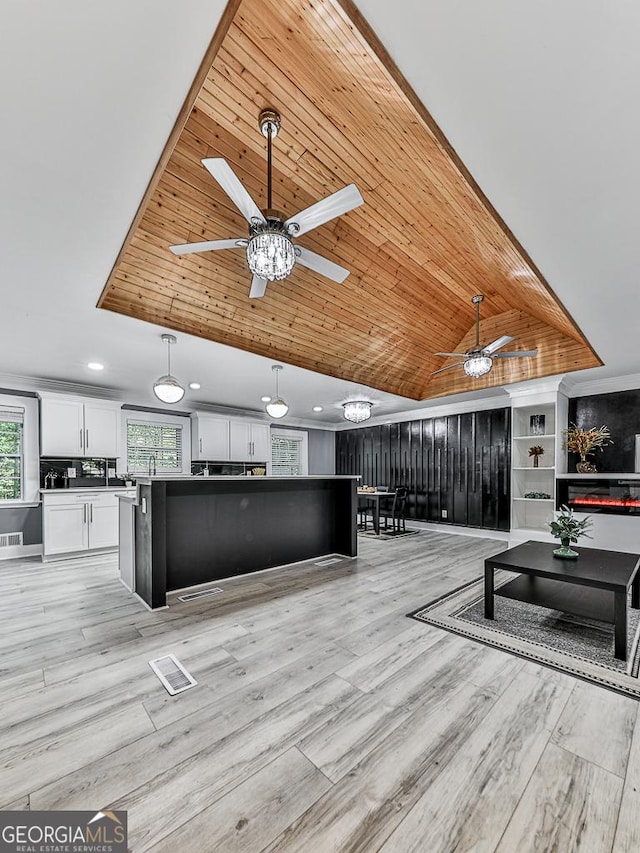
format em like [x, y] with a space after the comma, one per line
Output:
[76, 521]
[71, 426]
[209, 438]
[250, 442]
[261, 442]
[65, 528]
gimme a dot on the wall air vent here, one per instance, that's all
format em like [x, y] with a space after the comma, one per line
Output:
[7, 540]
[172, 674]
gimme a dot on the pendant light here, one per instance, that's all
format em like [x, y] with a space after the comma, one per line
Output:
[167, 388]
[357, 411]
[276, 407]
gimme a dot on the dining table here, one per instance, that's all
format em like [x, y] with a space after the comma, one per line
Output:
[375, 498]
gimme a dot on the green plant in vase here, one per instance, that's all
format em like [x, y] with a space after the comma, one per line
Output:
[583, 441]
[536, 451]
[567, 528]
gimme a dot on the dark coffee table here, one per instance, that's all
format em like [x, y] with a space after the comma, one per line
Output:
[595, 585]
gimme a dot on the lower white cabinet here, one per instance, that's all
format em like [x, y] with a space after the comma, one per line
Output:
[79, 522]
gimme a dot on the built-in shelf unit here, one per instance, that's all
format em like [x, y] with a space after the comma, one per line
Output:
[530, 515]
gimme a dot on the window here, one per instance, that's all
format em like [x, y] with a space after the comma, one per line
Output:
[288, 453]
[158, 443]
[11, 463]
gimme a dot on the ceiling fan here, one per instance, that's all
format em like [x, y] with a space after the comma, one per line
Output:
[479, 360]
[271, 252]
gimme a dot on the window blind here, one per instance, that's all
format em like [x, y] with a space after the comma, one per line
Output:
[158, 444]
[11, 427]
[286, 456]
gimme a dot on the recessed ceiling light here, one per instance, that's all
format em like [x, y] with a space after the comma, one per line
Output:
[317, 408]
[95, 365]
[265, 399]
[195, 386]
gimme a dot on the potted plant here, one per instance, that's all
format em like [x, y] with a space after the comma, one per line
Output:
[567, 528]
[583, 441]
[536, 451]
[127, 479]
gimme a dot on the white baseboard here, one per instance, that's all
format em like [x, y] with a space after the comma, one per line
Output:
[458, 530]
[13, 552]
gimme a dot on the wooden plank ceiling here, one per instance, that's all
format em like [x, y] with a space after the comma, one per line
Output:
[425, 241]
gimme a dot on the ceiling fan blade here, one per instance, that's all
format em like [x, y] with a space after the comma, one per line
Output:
[258, 287]
[230, 183]
[322, 265]
[442, 369]
[497, 344]
[322, 211]
[459, 354]
[208, 246]
[523, 353]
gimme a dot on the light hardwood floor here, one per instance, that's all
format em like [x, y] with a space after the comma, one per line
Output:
[324, 720]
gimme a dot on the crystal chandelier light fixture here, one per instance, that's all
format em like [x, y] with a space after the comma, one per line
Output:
[357, 411]
[477, 365]
[270, 252]
[167, 388]
[276, 408]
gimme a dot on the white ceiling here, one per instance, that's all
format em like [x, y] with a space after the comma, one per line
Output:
[538, 99]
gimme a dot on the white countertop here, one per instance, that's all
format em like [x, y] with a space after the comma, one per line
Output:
[180, 477]
[87, 489]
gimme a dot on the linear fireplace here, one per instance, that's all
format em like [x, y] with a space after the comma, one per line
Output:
[617, 496]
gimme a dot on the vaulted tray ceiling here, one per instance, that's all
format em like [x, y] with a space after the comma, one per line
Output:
[425, 241]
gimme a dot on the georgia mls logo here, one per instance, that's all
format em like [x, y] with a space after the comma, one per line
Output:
[63, 832]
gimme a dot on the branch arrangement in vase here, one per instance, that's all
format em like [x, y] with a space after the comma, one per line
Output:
[536, 451]
[583, 441]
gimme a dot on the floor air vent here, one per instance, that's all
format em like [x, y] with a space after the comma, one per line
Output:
[203, 593]
[328, 562]
[172, 674]
[9, 539]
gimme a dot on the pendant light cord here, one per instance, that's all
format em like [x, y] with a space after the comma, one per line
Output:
[168, 358]
[477, 325]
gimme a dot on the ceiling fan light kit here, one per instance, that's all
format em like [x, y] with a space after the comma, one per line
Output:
[479, 360]
[276, 407]
[271, 252]
[477, 366]
[357, 411]
[167, 388]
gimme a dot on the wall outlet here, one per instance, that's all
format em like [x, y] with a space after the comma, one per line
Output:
[444, 513]
[71, 473]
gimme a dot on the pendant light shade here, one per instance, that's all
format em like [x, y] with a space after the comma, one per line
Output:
[276, 407]
[357, 411]
[167, 388]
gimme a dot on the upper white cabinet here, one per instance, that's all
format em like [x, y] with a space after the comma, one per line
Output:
[71, 426]
[250, 441]
[209, 438]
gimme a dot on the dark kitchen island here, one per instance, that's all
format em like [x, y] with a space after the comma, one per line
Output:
[193, 530]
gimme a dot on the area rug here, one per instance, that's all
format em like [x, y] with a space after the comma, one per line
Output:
[387, 534]
[570, 644]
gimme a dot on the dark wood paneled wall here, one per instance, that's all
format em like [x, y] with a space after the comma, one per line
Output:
[459, 464]
[620, 411]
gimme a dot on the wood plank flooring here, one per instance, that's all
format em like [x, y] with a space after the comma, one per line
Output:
[324, 720]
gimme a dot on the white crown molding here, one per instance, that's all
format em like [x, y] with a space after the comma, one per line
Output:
[631, 382]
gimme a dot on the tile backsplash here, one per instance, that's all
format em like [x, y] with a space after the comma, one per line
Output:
[77, 473]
